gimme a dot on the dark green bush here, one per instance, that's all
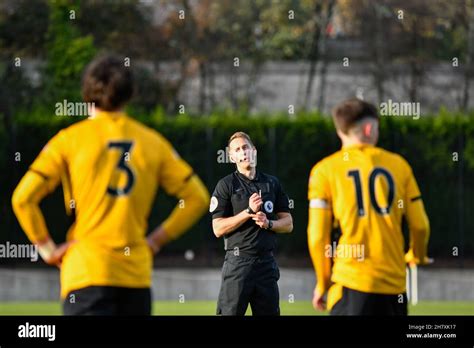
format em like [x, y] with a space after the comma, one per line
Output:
[287, 148]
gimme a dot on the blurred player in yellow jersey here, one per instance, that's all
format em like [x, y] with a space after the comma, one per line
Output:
[366, 191]
[111, 167]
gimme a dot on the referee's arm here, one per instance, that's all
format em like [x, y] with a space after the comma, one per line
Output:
[224, 225]
[284, 224]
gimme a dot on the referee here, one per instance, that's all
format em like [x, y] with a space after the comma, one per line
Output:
[248, 208]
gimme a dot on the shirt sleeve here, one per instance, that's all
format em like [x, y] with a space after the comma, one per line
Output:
[319, 225]
[42, 178]
[319, 194]
[51, 163]
[418, 223]
[174, 171]
[412, 190]
[282, 201]
[221, 205]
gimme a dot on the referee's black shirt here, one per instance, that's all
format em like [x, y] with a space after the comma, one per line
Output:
[231, 196]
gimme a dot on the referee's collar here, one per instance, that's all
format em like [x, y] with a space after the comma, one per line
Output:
[256, 178]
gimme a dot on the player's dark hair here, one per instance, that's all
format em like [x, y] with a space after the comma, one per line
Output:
[349, 112]
[107, 83]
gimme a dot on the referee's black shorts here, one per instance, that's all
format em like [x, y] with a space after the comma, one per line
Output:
[355, 302]
[108, 300]
[249, 280]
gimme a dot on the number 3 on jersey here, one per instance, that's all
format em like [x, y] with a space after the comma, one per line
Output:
[373, 176]
[122, 165]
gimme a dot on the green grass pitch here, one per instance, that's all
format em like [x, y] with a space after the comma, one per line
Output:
[209, 307]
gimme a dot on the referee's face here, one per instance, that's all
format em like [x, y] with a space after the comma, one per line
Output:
[243, 153]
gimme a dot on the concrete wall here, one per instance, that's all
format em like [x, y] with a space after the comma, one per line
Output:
[280, 84]
[203, 284]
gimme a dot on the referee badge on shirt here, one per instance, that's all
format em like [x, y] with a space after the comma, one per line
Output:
[213, 204]
[268, 206]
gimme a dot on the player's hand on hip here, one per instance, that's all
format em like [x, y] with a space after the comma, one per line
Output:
[319, 303]
[153, 246]
[260, 219]
[255, 202]
[57, 255]
[157, 239]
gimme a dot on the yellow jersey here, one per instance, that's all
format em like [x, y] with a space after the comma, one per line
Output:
[366, 190]
[110, 167]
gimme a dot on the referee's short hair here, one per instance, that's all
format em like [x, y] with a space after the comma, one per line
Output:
[351, 111]
[240, 135]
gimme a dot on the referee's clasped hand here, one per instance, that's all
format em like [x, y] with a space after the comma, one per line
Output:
[255, 202]
[260, 219]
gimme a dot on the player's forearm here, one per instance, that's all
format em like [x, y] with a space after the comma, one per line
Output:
[419, 227]
[321, 263]
[32, 222]
[223, 226]
[194, 202]
[25, 203]
[319, 227]
[283, 225]
[419, 243]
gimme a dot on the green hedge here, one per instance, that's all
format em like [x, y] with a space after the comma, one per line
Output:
[287, 148]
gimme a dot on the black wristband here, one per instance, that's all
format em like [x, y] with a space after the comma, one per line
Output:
[249, 210]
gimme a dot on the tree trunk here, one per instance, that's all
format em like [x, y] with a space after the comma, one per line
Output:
[12, 174]
[202, 87]
[233, 87]
[378, 54]
[212, 86]
[324, 55]
[313, 54]
[252, 84]
[415, 68]
[470, 55]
